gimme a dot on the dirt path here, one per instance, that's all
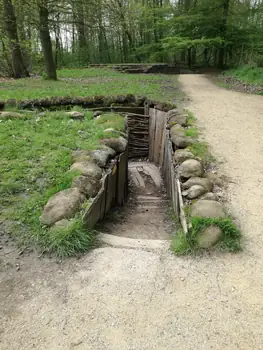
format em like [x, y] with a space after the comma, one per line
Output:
[131, 299]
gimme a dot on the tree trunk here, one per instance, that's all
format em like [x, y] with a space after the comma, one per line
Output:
[19, 68]
[223, 29]
[46, 43]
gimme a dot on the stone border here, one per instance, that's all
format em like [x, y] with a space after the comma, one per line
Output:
[195, 186]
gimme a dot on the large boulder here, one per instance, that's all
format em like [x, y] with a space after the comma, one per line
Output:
[181, 141]
[87, 168]
[63, 205]
[80, 156]
[208, 209]
[88, 185]
[75, 115]
[172, 112]
[118, 144]
[195, 191]
[209, 237]
[200, 181]
[190, 168]
[177, 130]
[10, 115]
[102, 156]
[217, 180]
[180, 119]
[181, 155]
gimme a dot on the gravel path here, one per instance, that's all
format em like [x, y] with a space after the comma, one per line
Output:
[143, 299]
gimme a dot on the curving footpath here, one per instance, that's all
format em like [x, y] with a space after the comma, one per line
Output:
[135, 298]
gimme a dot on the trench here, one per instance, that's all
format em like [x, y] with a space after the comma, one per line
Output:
[146, 212]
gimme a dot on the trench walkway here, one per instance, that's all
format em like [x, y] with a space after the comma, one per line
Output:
[130, 299]
[145, 215]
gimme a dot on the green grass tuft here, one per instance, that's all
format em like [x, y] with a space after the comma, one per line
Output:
[181, 245]
[191, 118]
[230, 241]
[192, 132]
[201, 150]
[71, 240]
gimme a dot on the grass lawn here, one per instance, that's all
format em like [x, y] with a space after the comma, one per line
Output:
[35, 156]
[91, 82]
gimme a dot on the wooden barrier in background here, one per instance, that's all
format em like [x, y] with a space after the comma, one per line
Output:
[114, 191]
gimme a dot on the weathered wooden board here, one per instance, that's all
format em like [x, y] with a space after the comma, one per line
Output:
[122, 179]
[161, 156]
[92, 216]
[103, 197]
[114, 191]
[152, 126]
[111, 188]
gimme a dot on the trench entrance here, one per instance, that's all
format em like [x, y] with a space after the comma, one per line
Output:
[147, 213]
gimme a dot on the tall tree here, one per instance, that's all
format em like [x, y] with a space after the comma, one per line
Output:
[18, 65]
[46, 41]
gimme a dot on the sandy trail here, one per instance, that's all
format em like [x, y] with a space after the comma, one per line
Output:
[134, 299]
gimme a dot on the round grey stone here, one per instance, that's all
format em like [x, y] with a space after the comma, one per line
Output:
[201, 181]
[87, 168]
[181, 141]
[209, 237]
[88, 185]
[181, 155]
[208, 209]
[195, 191]
[190, 168]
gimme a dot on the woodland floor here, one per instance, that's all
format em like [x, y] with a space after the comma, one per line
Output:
[117, 298]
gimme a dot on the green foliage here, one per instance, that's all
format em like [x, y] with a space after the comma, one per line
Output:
[187, 245]
[182, 43]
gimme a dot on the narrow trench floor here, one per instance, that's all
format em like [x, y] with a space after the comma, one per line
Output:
[146, 213]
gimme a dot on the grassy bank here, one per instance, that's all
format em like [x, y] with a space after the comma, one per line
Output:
[34, 161]
[247, 74]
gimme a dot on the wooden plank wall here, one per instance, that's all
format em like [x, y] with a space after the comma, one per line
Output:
[169, 173]
[114, 191]
[157, 126]
[161, 153]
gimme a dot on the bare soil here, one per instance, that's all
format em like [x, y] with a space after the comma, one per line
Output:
[130, 299]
